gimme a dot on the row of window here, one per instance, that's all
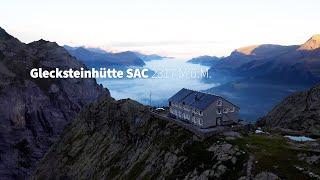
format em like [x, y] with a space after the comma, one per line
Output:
[198, 121]
[179, 114]
[199, 112]
[226, 110]
[182, 106]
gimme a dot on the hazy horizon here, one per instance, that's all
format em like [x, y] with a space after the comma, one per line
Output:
[172, 28]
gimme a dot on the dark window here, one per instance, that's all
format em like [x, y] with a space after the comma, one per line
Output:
[169, 103]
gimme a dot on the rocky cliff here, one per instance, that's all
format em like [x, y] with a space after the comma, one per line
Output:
[300, 111]
[33, 112]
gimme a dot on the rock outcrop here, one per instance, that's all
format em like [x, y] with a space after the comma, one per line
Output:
[300, 111]
[33, 112]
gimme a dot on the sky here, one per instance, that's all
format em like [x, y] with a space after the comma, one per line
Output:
[178, 28]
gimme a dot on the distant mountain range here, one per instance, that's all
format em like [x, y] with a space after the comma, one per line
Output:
[258, 77]
[205, 60]
[275, 63]
[95, 57]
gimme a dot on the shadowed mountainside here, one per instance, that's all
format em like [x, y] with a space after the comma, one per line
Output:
[299, 111]
[33, 112]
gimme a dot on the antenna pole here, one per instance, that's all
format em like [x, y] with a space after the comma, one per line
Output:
[150, 98]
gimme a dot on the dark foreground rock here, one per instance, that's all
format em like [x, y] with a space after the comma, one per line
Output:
[118, 140]
[33, 112]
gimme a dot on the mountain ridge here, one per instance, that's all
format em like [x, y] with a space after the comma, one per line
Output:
[95, 57]
[4, 35]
